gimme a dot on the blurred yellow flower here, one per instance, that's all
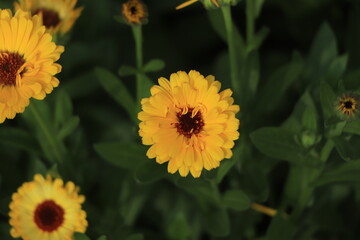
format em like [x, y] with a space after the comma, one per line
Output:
[134, 12]
[46, 209]
[27, 56]
[58, 16]
[189, 123]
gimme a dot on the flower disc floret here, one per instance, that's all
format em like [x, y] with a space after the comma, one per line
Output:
[189, 123]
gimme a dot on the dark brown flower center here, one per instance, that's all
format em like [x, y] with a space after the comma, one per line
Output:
[50, 17]
[49, 216]
[133, 10]
[10, 63]
[348, 104]
[188, 124]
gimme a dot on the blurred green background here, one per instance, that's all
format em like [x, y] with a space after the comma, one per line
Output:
[142, 201]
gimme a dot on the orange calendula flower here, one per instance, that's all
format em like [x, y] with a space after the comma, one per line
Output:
[27, 62]
[58, 16]
[46, 209]
[189, 123]
[134, 12]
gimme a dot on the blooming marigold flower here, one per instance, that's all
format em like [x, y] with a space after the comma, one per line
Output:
[189, 123]
[27, 57]
[134, 12]
[347, 105]
[46, 209]
[58, 16]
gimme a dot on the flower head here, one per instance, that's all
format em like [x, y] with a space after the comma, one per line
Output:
[347, 105]
[27, 56]
[189, 123]
[134, 12]
[58, 16]
[47, 209]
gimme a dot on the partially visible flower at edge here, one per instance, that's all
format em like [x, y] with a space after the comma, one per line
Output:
[47, 209]
[134, 12]
[58, 16]
[208, 4]
[347, 105]
[27, 62]
[189, 123]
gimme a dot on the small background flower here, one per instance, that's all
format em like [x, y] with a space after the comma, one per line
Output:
[58, 16]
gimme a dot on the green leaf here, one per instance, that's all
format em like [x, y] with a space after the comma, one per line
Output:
[258, 7]
[345, 147]
[322, 54]
[337, 69]
[259, 38]
[351, 80]
[352, 127]
[16, 137]
[80, 236]
[236, 199]
[280, 229]
[122, 154]
[63, 108]
[346, 172]
[68, 127]
[126, 70]
[217, 223]
[227, 164]
[203, 191]
[117, 90]
[309, 116]
[38, 117]
[137, 236]
[103, 237]
[327, 99]
[278, 83]
[87, 82]
[179, 228]
[150, 172]
[277, 143]
[154, 65]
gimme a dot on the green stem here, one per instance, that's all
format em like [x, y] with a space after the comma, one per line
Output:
[137, 32]
[326, 150]
[250, 22]
[234, 65]
[47, 133]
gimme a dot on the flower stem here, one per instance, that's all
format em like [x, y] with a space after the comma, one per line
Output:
[137, 32]
[234, 65]
[250, 22]
[263, 209]
[47, 133]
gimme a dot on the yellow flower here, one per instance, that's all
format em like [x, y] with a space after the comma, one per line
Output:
[58, 16]
[347, 105]
[46, 209]
[134, 12]
[27, 57]
[189, 123]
